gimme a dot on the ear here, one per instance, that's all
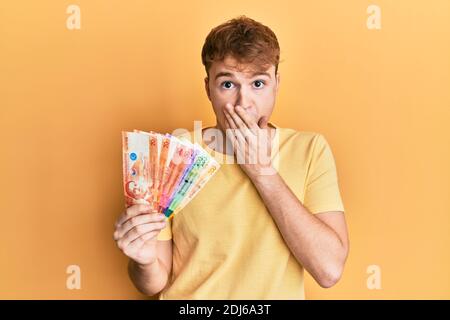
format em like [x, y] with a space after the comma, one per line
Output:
[278, 81]
[207, 88]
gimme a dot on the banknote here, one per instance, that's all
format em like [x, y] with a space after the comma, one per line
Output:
[163, 171]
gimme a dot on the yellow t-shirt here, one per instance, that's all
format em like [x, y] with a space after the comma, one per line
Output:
[225, 242]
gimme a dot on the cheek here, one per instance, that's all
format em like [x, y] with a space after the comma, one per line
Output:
[265, 103]
[218, 101]
[216, 97]
[266, 99]
[220, 96]
[218, 108]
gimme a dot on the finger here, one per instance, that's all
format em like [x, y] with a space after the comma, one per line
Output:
[234, 128]
[137, 244]
[264, 132]
[133, 211]
[262, 123]
[235, 132]
[229, 119]
[138, 231]
[237, 149]
[245, 134]
[237, 140]
[238, 144]
[236, 118]
[245, 116]
[246, 140]
[240, 137]
[265, 147]
[140, 241]
[232, 125]
[137, 220]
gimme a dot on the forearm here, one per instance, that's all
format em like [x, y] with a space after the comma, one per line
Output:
[149, 279]
[314, 244]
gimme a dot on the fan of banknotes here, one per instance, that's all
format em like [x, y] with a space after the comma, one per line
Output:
[163, 171]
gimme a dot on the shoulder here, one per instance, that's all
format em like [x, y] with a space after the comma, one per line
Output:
[306, 139]
[308, 146]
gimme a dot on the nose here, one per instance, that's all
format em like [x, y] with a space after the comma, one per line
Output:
[243, 99]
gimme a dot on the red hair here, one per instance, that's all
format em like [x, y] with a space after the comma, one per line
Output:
[244, 39]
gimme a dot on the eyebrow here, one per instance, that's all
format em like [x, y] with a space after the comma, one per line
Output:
[229, 74]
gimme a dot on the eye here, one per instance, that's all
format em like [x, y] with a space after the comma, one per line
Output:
[227, 84]
[258, 84]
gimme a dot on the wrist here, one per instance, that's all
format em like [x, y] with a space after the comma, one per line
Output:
[264, 177]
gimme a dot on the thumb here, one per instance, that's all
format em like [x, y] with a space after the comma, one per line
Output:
[262, 123]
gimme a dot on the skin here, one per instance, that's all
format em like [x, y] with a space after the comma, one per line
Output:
[230, 84]
[243, 101]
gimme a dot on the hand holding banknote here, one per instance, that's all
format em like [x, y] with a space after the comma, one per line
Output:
[136, 232]
[161, 175]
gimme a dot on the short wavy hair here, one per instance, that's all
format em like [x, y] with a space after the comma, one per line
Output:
[244, 39]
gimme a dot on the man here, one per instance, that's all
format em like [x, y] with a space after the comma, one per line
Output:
[255, 227]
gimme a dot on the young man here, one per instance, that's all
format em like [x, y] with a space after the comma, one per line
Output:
[255, 227]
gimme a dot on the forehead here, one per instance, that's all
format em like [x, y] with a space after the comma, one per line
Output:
[238, 69]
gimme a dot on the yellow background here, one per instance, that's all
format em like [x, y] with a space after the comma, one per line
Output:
[380, 97]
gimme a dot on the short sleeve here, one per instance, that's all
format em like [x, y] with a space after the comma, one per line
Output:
[166, 233]
[322, 190]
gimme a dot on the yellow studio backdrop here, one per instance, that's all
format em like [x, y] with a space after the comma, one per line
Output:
[379, 95]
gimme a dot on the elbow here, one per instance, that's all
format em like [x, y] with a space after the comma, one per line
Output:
[149, 292]
[328, 282]
[330, 276]
[332, 272]
[144, 286]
